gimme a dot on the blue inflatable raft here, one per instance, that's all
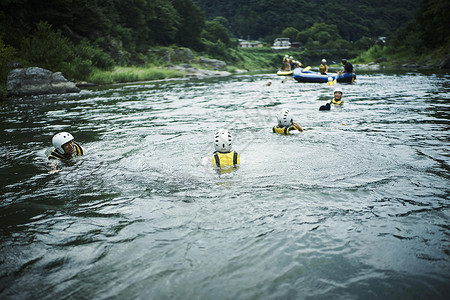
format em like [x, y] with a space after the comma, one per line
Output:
[302, 75]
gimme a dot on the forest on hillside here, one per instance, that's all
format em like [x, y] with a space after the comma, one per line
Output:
[78, 37]
[265, 19]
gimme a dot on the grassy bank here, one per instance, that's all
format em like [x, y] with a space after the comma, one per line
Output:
[132, 74]
[255, 59]
[389, 57]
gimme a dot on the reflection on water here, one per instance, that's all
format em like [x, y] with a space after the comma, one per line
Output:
[355, 207]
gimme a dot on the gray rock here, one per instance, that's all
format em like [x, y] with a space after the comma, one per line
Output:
[173, 56]
[184, 54]
[214, 63]
[196, 72]
[381, 59]
[37, 81]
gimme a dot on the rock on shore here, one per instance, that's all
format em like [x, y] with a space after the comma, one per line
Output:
[37, 81]
[196, 72]
[218, 66]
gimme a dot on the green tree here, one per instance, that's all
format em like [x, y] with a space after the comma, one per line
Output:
[434, 22]
[164, 21]
[291, 33]
[214, 31]
[48, 49]
[319, 35]
[191, 23]
[6, 54]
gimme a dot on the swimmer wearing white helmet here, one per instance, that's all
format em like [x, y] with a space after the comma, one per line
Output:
[337, 99]
[224, 157]
[286, 124]
[65, 147]
[323, 67]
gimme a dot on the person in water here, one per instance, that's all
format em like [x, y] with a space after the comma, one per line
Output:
[337, 100]
[286, 124]
[65, 148]
[224, 157]
[323, 67]
[296, 64]
[286, 63]
[348, 67]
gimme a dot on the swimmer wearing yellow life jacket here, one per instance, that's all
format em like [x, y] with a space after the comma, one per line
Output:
[286, 124]
[65, 148]
[337, 100]
[224, 157]
[323, 67]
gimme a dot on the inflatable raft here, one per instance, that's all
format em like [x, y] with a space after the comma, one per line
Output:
[308, 76]
[284, 73]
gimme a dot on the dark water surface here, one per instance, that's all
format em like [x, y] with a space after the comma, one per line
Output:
[356, 207]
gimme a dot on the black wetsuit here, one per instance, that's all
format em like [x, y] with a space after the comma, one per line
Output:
[348, 68]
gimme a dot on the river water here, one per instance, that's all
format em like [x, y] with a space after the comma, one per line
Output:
[355, 207]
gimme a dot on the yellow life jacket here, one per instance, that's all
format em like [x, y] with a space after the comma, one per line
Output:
[56, 155]
[336, 102]
[226, 160]
[284, 130]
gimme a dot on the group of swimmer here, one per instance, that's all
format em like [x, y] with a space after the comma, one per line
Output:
[65, 147]
[348, 67]
[224, 157]
[289, 63]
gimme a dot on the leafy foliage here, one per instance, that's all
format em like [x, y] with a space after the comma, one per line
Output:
[6, 53]
[354, 18]
[434, 22]
[427, 35]
[47, 48]
[79, 36]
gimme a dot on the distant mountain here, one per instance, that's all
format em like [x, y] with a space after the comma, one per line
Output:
[259, 19]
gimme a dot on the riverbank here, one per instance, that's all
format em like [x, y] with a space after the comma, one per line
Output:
[136, 74]
[247, 60]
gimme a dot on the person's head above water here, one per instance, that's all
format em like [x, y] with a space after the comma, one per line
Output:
[63, 143]
[284, 117]
[222, 140]
[337, 93]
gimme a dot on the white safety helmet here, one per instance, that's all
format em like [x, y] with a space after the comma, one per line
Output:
[338, 90]
[60, 139]
[324, 60]
[284, 117]
[222, 140]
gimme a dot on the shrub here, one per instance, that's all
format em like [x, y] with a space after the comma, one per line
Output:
[6, 53]
[47, 48]
[96, 56]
